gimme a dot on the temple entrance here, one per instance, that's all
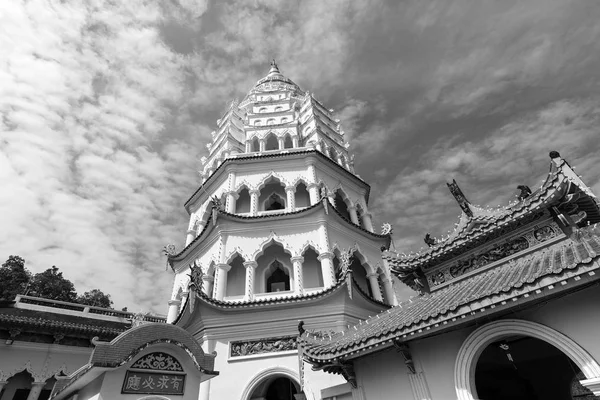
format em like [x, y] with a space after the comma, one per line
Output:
[276, 388]
[521, 367]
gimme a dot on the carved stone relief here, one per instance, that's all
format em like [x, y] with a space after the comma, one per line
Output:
[261, 346]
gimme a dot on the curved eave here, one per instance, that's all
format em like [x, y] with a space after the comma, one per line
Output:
[40, 325]
[320, 206]
[550, 193]
[255, 156]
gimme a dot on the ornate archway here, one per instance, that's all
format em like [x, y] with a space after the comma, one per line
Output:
[473, 346]
[271, 373]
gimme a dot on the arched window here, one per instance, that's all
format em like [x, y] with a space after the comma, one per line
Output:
[242, 204]
[301, 197]
[271, 121]
[278, 279]
[311, 269]
[359, 273]
[272, 142]
[288, 143]
[262, 110]
[255, 145]
[341, 205]
[257, 122]
[278, 108]
[236, 277]
[272, 195]
[283, 120]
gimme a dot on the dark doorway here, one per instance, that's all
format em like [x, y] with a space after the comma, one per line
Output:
[525, 368]
[281, 389]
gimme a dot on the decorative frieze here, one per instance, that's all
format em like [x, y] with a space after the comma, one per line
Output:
[158, 361]
[535, 236]
[262, 346]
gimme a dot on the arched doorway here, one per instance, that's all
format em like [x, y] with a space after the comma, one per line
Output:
[485, 362]
[276, 383]
[525, 368]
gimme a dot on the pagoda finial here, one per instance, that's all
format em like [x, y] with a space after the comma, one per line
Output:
[274, 68]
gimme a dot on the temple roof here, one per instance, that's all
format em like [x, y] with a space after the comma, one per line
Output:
[560, 188]
[562, 266]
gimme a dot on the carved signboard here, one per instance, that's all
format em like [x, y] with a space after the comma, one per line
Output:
[153, 383]
[260, 346]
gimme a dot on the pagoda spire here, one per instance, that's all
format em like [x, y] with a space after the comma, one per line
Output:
[274, 68]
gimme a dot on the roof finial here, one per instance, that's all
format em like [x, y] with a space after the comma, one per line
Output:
[460, 198]
[274, 68]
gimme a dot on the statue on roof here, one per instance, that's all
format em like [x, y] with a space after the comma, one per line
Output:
[429, 241]
[460, 197]
[525, 192]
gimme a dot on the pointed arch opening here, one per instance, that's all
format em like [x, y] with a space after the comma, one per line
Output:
[271, 142]
[274, 270]
[236, 277]
[301, 197]
[288, 143]
[342, 203]
[311, 269]
[359, 272]
[255, 145]
[242, 204]
[272, 195]
[18, 386]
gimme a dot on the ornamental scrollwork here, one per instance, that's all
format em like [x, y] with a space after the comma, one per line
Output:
[260, 346]
[544, 233]
[158, 361]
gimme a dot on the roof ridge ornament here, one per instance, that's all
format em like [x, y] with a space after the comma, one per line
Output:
[274, 68]
[460, 198]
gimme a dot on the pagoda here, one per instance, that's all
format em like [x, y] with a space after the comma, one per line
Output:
[279, 232]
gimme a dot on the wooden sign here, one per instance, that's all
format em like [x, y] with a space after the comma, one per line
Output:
[153, 383]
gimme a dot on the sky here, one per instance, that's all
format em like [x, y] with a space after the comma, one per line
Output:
[106, 107]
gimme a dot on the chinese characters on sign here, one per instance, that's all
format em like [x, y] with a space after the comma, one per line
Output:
[153, 383]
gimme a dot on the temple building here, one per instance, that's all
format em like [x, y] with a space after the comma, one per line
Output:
[280, 231]
[508, 307]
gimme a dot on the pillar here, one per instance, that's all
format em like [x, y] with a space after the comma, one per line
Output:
[208, 345]
[295, 141]
[353, 215]
[327, 268]
[419, 386]
[262, 144]
[254, 201]
[191, 235]
[173, 312]
[298, 278]
[291, 201]
[36, 389]
[221, 278]
[367, 222]
[388, 289]
[250, 268]
[313, 192]
[231, 200]
[248, 146]
[280, 143]
[374, 282]
[207, 284]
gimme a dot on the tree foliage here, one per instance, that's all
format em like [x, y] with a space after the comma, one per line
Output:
[51, 284]
[14, 278]
[95, 297]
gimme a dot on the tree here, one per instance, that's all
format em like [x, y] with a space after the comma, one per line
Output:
[95, 297]
[51, 284]
[14, 278]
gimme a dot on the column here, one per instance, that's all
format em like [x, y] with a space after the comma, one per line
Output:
[221, 278]
[291, 201]
[331, 197]
[208, 346]
[388, 289]
[298, 278]
[295, 141]
[373, 281]
[36, 389]
[313, 192]
[353, 215]
[280, 143]
[174, 306]
[250, 268]
[191, 235]
[231, 199]
[319, 147]
[326, 259]
[254, 201]
[367, 222]
[419, 386]
[207, 284]
[262, 144]
[248, 146]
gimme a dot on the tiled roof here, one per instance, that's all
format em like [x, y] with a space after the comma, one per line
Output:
[559, 262]
[476, 230]
[37, 321]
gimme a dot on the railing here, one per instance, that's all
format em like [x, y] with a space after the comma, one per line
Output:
[41, 304]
